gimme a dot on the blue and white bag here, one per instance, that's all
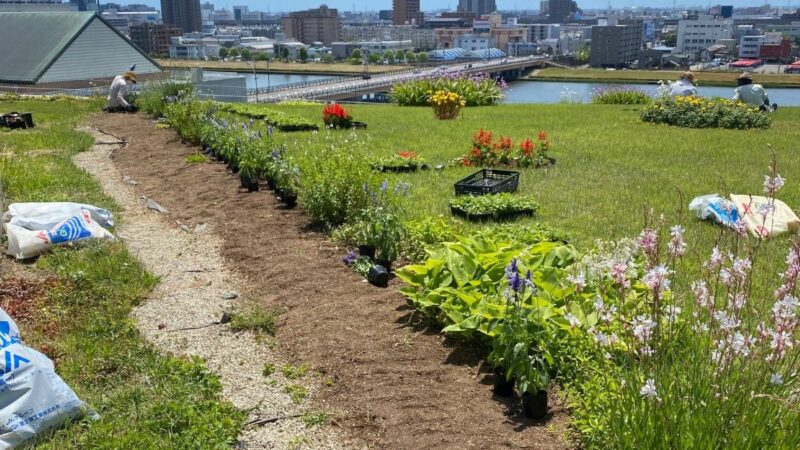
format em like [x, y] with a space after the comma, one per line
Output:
[33, 398]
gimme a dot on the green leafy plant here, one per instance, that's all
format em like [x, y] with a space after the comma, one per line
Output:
[282, 121]
[296, 392]
[295, 372]
[497, 206]
[254, 319]
[699, 112]
[474, 90]
[620, 95]
[403, 161]
[196, 159]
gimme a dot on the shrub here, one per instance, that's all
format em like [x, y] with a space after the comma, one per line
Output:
[154, 98]
[698, 112]
[333, 186]
[422, 234]
[620, 95]
[474, 90]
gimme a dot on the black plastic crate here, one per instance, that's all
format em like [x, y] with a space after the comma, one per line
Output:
[488, 181]
[16, 120]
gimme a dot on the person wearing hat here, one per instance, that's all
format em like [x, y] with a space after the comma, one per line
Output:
[683, 87]
[752, 94]
[119, 89]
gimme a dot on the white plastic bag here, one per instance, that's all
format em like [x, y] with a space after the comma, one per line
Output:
[44, 216]
[715, 207]
[33, 398]
[24, 243]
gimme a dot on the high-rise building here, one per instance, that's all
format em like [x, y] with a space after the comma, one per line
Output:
[314, 25]
[184, 14]
[84, 5]
[154, 38]
[560, 11]
[406, 12]
[615, 44]
[477, 7]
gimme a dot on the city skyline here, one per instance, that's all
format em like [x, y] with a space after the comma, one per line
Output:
[430, 5]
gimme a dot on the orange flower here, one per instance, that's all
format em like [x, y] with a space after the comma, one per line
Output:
[542, 135]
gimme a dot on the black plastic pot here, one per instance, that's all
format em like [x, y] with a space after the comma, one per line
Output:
[289, 199]
[501, 386]
[385, 263]
[252, 186]
[270, 183]
[367, 250]
[535, 405]
[378, 276]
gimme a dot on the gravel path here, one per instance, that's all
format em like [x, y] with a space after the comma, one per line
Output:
[193, 281]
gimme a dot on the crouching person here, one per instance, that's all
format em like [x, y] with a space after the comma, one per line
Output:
[120, 87]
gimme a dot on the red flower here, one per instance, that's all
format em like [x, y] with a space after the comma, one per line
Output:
[334, 111]
[476, 152]
[504, 143]
[407, 155]
[482, 138]
[542, 135]
[528, 147]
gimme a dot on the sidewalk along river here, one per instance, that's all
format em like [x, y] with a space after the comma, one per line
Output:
[559, 91]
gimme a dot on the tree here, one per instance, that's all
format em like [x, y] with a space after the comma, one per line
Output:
[399, 55]
[246, 54]
[410, 57]
[422, 57]
[357, 54]
[285, 54]
[327, 58]
[389, 56]
[223, 52]
[671, 39]
[302, 54]
[374, 58]
[260, 56]
[234, 52]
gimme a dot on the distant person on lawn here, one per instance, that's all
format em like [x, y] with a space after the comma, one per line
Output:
[684, 87]
[120, 87]
[752, 94]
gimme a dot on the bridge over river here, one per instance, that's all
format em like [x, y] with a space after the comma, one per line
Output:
[343, 89]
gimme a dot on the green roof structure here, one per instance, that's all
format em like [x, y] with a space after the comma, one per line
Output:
[60, 46]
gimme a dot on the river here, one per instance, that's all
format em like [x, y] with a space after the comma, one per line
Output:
[527, 91]
[556, 92]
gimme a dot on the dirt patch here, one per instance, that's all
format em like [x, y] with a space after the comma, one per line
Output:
[392, 384]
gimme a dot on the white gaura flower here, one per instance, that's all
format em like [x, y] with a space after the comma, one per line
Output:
[574, 322]
[776, 379]
[649, 389]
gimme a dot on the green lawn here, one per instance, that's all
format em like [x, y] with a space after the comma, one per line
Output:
[146, 400]
[610, 166]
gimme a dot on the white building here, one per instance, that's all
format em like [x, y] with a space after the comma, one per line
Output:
[421, 38]
[538, 32]
[472, 42]
[749, 46]
[699, 32]
[182, 47]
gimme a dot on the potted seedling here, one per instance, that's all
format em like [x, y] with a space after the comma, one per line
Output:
[520, 350]
[388, 232]
[287, 183]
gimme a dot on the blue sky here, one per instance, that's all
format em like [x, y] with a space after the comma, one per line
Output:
[284, 5]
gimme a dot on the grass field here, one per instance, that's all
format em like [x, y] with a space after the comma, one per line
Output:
[610, 165]
[145, 399]
[280, 67]
[653, 76]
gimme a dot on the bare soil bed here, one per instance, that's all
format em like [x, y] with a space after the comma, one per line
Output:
[395, 383]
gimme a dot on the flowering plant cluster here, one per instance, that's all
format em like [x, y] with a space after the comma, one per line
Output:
[335, 116]
[502, 152]
[446, 105]
[699, 112]
[474, 90]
